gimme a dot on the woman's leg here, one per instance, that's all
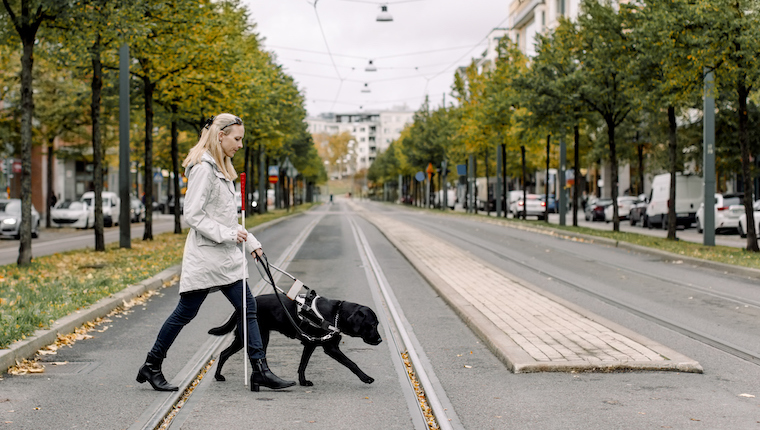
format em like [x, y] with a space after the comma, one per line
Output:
[261, 374]
[186, 310]
[234, 293]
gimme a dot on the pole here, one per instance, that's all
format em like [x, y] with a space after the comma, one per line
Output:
[562, 200]
[471, 185]
[709, 159]
[444, 186]
[244, 319]
[546, 181]
[125, 240]
[524, 188]
[499, 174]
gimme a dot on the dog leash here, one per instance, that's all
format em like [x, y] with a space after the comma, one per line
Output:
[331, 330]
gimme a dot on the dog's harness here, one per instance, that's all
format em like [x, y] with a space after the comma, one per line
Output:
[306, 305]
[307, 311]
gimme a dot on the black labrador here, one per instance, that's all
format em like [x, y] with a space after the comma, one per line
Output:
[352, 319]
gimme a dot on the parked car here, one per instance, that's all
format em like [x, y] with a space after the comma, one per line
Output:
[513, 197]
[10, 219]
[70, 213]
[742, 227]
[595, 209]
[136, 210]
[111, 206]
[625, 203]
[638, 211]
[728, 209]
[689, 195]
[536, 206]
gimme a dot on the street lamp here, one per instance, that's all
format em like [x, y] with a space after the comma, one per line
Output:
[384, 16]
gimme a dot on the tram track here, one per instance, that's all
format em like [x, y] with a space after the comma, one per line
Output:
[707, 339]
[427, 402]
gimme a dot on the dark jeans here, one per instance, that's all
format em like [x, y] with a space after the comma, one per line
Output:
[187, 309]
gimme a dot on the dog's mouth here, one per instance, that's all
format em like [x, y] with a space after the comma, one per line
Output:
[374, 342]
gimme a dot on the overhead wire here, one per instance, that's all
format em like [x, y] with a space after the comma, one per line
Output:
[343, 79]
[327, 45]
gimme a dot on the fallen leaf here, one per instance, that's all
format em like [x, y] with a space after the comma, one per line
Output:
[746, 395]
[467, 367]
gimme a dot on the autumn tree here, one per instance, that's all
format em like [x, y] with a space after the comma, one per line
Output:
[26, 17]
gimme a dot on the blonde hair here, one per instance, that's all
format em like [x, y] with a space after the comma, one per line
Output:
[209, 142]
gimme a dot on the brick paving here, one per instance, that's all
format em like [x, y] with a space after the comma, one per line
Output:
[529, 329]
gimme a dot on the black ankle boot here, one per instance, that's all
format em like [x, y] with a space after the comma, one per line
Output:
[151, 372]
[263, 376]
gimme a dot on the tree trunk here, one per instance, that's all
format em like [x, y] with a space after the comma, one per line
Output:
[577, 173]
[148, 88]
[673, 154]
[50, 187]
[614, 173]
[97, 147]
[175, 170]
[749, 191]
[27, 111]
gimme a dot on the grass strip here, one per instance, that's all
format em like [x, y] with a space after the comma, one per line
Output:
[717, 253]
[34, 296]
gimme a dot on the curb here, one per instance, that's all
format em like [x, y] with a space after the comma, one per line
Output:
[28, 347]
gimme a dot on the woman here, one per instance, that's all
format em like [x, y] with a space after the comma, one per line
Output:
[212, 259]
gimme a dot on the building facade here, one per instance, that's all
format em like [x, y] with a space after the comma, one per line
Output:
[372, 131]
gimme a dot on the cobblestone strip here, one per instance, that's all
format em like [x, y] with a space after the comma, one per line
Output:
[553, 335]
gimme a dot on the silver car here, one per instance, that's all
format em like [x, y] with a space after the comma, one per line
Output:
[10, 219]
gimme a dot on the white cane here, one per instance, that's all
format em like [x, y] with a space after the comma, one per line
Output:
[245, 297]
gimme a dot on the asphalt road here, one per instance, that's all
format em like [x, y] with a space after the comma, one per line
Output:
[53, 240]
[482, 391]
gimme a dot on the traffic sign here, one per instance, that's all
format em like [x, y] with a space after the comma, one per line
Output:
[462, 169]
[420, 176]
[274, 174]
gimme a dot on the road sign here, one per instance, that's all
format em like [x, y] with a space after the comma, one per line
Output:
[420, 176]
[430, 170]
[462, 169]
[274, 174]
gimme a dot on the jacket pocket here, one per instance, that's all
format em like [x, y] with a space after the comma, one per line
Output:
[202, 240]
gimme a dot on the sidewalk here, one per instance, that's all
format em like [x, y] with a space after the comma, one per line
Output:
[529, 329]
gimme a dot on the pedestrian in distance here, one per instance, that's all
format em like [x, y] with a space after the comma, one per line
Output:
[213, 259]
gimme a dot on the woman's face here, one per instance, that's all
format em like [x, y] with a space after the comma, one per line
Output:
[232, 142]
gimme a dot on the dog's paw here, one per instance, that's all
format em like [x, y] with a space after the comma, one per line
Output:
[220, 378]
[368, 380]
[306, 383]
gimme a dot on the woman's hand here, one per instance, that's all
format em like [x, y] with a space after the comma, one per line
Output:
[258, 252]
[242, 236]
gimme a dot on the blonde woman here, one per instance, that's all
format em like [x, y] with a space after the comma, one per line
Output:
[212, 260]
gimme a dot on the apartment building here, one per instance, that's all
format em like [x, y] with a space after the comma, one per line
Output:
[373, 131]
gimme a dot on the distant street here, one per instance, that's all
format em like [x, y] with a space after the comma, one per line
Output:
[723, 238]
[53, 240]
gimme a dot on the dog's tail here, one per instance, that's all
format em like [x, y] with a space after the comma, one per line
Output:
[226, 327]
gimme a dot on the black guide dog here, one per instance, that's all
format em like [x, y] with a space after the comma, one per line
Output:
[352, 319]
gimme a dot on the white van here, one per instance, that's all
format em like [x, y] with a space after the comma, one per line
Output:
[689, 195]
[111, 206]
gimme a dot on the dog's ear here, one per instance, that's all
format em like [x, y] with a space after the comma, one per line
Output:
[355, 320]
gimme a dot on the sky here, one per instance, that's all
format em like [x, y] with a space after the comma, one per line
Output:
[416, 54]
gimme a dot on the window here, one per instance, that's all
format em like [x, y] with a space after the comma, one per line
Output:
[362, 139]
[372, 138]
[543, 20]
[561, 7]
